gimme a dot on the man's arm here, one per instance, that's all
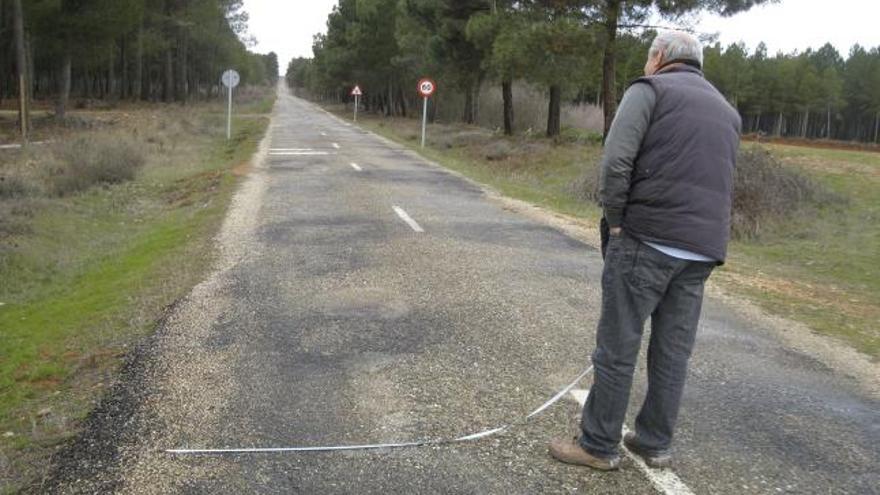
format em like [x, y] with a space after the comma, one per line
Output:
[621, 149]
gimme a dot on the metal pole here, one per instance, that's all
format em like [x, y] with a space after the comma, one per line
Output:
[229, 115]
[424, 120]
[356, 105]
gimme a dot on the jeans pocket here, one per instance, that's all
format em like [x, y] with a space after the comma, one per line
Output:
[647, 267]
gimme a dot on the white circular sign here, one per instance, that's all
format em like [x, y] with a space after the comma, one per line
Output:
[230, 78]
[427, 87]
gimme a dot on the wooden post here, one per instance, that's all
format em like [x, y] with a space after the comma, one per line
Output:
[21, 69]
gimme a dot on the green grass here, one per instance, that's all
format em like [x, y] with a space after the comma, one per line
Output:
[94, 274]
[821, 269]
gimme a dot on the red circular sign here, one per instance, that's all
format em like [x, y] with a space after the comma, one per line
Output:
[427, 87]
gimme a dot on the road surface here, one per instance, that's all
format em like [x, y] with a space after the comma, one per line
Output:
[365, 296]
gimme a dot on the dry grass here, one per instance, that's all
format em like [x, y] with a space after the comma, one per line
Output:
[530, 105]
[87, 274]
[93, 160]
[767, 193]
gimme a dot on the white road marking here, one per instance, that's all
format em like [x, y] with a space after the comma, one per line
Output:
[356, 167]
[298, 153]
[336, 145]
[324, 134]
[291, 149]
[419, 443]
[17, 146]
[664, 480]
[408, 219]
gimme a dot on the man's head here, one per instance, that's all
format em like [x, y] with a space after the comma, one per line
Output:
[673, 46]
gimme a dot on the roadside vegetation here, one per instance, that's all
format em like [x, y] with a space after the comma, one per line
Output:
[575, 52]
[806, 219]
[101, 229]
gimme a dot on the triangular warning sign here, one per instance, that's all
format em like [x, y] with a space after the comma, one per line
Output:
[357, 91]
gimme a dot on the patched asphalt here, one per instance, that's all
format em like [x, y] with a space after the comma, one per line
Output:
[329, 321]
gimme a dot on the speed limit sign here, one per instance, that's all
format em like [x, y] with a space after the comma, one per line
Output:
[427, 87]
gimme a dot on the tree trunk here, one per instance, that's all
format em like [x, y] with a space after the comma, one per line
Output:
[876, 126]
[507, 96]
[805, 123]
[182, 90]
[609, 93]
[470, 114]
[63, 87]
[111, 72]
[389, 106]
[21, 69]
[125, 86]
[29, 63]
[2, 61]
[401, 99]
[828, 129]
[168, 86]
[138, 89]
[554, 122]
[779, 120]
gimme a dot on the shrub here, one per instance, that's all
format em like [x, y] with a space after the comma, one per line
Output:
[13, 186]
[497, 150]
[87, 161]
[766, 192]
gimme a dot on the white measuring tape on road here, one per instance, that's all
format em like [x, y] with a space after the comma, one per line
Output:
[378, 446]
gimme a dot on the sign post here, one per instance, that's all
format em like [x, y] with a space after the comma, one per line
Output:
[356, 92]
[230, 79]
[427, 88]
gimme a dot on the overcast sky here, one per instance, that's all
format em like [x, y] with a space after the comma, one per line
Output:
[287, 26]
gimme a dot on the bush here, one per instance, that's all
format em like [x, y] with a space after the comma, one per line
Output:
[497, 150]
[13, 186]
[766, 192]
[87, 161]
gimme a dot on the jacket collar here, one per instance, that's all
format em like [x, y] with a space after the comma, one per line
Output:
[680, 65]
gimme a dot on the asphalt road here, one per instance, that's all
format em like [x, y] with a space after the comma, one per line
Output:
[331, 320]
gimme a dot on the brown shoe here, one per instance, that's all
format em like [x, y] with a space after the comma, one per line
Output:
[570, 452]
[657, 461]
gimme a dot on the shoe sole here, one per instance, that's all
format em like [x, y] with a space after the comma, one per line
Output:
[572, 462]
[650, 461]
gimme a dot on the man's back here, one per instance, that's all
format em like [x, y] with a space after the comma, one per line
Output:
[682, 182]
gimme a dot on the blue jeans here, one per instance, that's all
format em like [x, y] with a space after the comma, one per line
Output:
[637, 282]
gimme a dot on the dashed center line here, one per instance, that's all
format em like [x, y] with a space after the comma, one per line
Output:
[664, 480]
[408, 219]
[356, 167]
[298, 153]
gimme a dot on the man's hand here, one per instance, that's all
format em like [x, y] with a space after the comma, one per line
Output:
[615, 231]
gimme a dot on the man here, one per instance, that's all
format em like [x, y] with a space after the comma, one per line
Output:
[666, 189]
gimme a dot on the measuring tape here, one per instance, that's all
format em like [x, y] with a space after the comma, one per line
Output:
[378, 446]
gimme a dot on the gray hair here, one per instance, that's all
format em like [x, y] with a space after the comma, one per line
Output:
[677, 45]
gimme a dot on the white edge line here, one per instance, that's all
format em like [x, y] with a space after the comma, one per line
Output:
[356, 167]
[408, 219]
[298, 153]
[664, 480]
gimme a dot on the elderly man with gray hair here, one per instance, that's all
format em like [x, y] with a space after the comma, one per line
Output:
[667, 190]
